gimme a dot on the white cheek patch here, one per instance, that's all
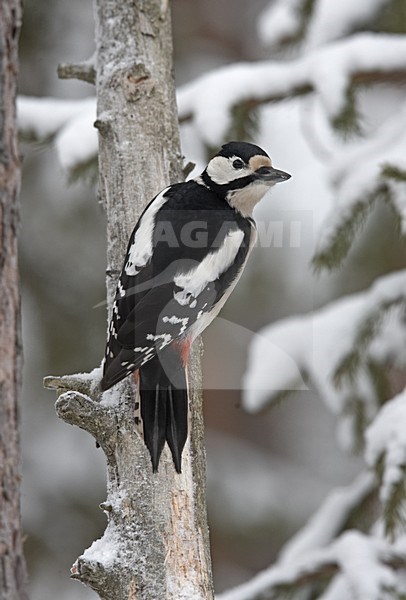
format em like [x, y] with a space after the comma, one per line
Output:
[141, 249]
[212, 266]
[220, 170]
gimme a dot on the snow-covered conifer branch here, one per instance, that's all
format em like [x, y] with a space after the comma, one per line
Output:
[338, 232]
[384, 296]
[330, 518]
[368, 564]
[283, 21]
[380, 173]
[68, 123]
[386, 452]
[43, 117]
[209, 100]
[363, 58]
[362, 565]
[333, 20]
[340, 338]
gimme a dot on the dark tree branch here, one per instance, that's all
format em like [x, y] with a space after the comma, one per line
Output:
[84, 71]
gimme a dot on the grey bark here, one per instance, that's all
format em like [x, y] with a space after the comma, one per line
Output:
[12, 565]
[156, 542]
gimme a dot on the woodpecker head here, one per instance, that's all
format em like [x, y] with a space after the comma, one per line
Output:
[242, 173]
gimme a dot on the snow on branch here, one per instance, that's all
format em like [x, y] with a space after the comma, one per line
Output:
[330, 70]
[80, 403]
[369, 565]
[337, 349]
[210, 100]
[359, 566]
[282, 21]
[329, 520]
[386, 452]
[68, 122]
[332, 20]
[380, 172]
[382, 322]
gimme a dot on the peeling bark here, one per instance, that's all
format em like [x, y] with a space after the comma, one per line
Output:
[156, 542]
[12, 565]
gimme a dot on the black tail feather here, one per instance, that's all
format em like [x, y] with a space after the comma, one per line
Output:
[164, 411]
[153, 413]
[176, 424]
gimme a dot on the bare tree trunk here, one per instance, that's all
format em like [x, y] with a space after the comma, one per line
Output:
[12, 565]
[156, 544]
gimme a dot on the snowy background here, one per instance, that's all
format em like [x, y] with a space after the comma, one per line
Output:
[334, 337]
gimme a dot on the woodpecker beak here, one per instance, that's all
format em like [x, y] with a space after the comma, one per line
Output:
[271, 174]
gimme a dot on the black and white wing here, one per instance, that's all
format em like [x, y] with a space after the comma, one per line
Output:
[169, 289]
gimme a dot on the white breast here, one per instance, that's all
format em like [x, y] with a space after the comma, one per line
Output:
[206, 318]
[212, 266]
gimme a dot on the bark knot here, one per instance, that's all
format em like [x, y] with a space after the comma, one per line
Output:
[137, 82]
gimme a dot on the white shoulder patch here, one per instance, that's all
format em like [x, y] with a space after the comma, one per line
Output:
[212, 266]
[141, 249]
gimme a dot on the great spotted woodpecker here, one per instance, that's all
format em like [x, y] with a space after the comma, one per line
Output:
[184, 258]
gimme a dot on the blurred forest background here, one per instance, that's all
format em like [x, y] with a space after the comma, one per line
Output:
[266, 472]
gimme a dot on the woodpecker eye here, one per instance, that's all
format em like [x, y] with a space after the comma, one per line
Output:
[238, 164]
